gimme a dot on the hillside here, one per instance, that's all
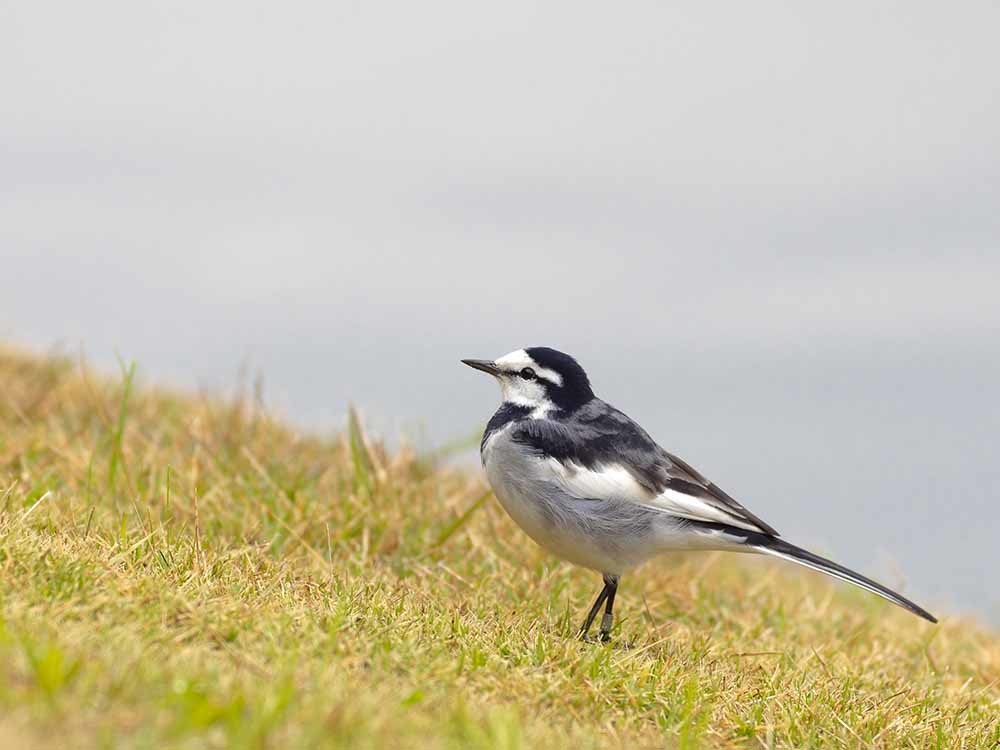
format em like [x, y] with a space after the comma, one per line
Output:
[183, 571]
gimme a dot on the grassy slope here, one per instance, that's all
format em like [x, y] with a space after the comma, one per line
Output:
[191, 573]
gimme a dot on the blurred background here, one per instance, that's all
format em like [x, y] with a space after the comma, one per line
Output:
[770, 231]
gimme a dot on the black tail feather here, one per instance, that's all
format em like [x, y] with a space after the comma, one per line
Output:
[772, 545]
[780, 548]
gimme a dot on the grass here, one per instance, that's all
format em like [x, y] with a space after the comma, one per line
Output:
[190, 572]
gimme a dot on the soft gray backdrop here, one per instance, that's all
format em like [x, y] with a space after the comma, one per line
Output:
[770, 231]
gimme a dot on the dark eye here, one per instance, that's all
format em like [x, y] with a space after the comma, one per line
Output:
[528, 374]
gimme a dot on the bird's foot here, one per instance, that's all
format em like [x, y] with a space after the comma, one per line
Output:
[606, 622]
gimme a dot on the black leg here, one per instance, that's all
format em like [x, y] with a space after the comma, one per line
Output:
[585, 628]
[611, 586]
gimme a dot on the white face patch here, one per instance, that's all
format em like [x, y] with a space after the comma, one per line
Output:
[517, 390]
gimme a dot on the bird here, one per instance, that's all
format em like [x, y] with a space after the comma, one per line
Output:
[591, 486]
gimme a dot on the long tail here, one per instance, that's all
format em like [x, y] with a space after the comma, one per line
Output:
[723, 536]
[771, 545]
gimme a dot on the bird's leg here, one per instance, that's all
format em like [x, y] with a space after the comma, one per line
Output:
[585, 628]
[611, 586]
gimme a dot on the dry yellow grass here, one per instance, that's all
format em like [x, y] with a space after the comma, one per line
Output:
[190, 572]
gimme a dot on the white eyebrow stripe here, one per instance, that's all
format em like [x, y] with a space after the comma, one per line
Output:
[550, 375]
[519, 359]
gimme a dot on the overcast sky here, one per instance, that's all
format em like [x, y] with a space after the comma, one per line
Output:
[771, 231]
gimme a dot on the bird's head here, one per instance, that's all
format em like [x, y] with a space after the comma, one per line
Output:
[538, 378]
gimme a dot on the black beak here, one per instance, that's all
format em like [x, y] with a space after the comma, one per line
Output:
[485, 365]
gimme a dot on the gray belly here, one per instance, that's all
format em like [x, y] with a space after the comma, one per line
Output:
[610, 536]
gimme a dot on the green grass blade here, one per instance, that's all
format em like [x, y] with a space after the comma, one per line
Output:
[459, 522]
[119, 433]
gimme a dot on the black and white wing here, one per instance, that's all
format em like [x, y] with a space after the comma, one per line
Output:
[601, 454]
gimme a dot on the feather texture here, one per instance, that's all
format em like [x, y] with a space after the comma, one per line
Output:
[598, 453]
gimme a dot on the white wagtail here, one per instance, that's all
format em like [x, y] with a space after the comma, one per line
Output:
[590, 485]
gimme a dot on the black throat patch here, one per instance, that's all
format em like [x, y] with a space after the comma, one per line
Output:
[506, 414]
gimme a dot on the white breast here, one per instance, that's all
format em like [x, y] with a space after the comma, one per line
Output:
[513, 474]
[596, 534]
